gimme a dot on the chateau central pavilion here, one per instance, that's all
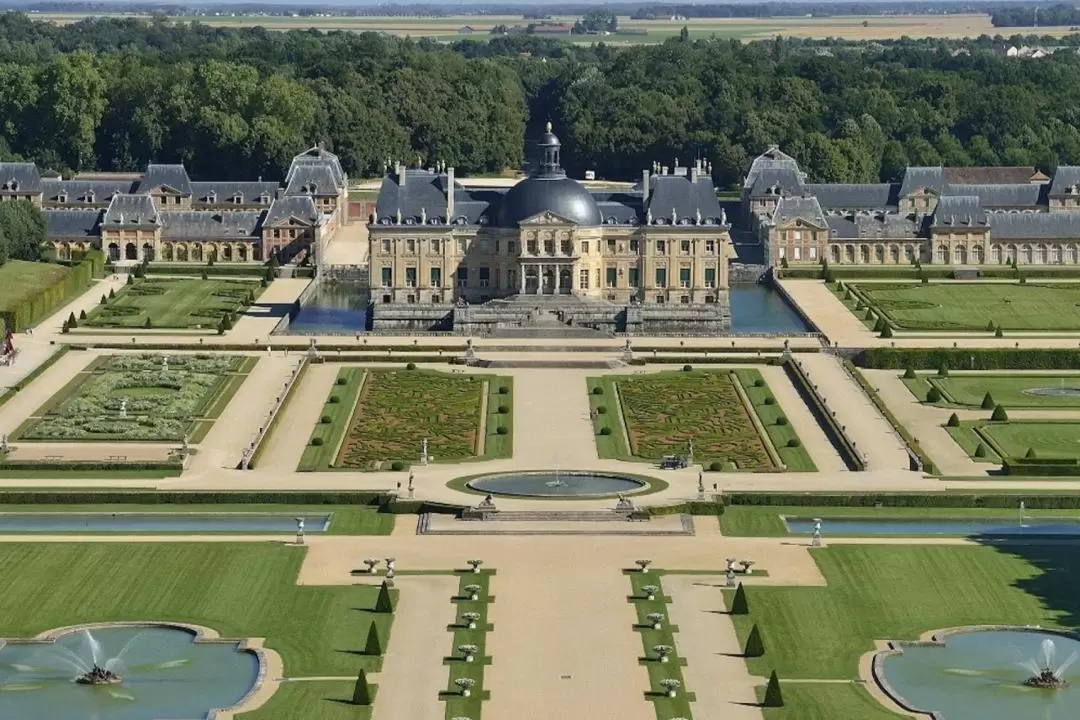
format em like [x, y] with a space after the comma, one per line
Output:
[651, 258]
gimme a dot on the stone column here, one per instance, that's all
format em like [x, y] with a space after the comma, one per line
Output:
[556, 270]
[521, 269]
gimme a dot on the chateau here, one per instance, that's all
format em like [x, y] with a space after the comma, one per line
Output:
[444, 256]
[945, 216]
[163, 215]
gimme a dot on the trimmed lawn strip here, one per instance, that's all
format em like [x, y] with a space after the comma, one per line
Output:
[896, 592]
[966, 390]
[239, 589]
[176, 303]
[498, 446]
[968, 437]
[346, 520]
[456, 704]
[665, 707]
[826, 701]
[764, 521]
[8, 470]
[795, 458]
[314, 700]
[1048, 438]
[851, 301]
[321, 456]
[612, 446]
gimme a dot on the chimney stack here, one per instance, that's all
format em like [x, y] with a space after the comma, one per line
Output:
[449, 195]
[644, 186]
[694, 170]
[401, 174]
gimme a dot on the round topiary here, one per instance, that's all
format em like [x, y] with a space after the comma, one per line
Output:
[601, 409]
[760, 382]
[342, 381]
[886, 331]
[909, 373]
[954, 420]
[769, 400]
[410, 366]
[605, 430]
[716, 466]
[980, 451]
[598, 390]
[504, 389]
[501, 430]
[316, 441]
[326, 419]
[503, 409]
[334, 399]
[397, 465]
[933, 395]
[794, 442]
[687, 368]
[781, 420]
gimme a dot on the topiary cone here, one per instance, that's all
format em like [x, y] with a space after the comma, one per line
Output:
[999, 414]
[373, 646]
[988, 402]
[754, 646]
[739, 606]
[384, 603]
[773, 696]
[362, 691]
[954, 420]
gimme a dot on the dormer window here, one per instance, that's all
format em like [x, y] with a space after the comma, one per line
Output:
[238, 198]
[12, 185]
[89, 197]
[212, 197]
[264, 199]
[62, 197]
[311, 188]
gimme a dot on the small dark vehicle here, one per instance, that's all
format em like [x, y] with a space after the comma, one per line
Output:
[672, 462]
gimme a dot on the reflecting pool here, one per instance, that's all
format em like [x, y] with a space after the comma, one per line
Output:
[553, 484]
[936, 526]
[158, 522]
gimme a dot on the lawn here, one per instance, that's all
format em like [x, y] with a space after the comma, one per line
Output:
[666, 707]
[20, 279]
[664, 412]
[973, 306]
[899, 592]
[831, 701]
[173, 303]
[239, 589]
[1011, 390]
[374, 419]
[315, 700]
[1048, 439]
[159, 404]
[458, 706]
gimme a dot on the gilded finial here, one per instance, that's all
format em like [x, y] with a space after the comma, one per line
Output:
[547, 128]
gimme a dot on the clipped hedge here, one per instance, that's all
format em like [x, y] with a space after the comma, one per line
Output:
[86, 465]
[1043, 501]
[255, 270]
[48, 299]
[294, 346]
[908, 438]
[176, 497]
[961, 358]
[910, 272]
[1042, 467]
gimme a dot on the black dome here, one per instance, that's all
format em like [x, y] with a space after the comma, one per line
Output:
[561, 196]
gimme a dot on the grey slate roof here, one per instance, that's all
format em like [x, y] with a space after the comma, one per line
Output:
[302, 207]
[959, 211]
[922, 177]
[1035, 226]
[72, 224]
[171, 176]
[1019, 195]
[131, 210]
[84, 192]
[619, 208]
[876, 226]
[210, 224]
[318, 155]
[312, 179]
[771, 159]
[19, 177]
[982, 175]
[854, 197]
[783, 179]
[806, 209]
[1065, 176]
[226, 190]
[423, 191]
[686, 198]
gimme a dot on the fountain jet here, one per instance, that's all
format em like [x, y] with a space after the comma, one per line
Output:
[1046, 676]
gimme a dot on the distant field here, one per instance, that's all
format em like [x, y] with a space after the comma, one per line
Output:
[852, 27]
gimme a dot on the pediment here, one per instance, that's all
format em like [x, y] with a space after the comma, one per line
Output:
[547, 218]
[166, 190]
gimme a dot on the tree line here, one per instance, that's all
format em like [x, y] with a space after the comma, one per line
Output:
[1032, 15]
[114, 94]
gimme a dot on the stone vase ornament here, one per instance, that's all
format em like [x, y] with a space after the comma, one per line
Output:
[671, 685]
[475, 565]
[465, 685]
[470, 619]
[650, 591]
[468, 652]
[473, 591]
[655, 619]
[643, 564]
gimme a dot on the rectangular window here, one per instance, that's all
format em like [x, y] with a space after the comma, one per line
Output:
[685, 247]
[483, 245]
[549, 247]
[684, 277]
[411, 299]
[435, 246]
[511, 279]
[611, 277]
[783, 251]
[661, 277]
[684, 299]
[583, 279]
[813, 253]
[566, 247]
[462, 246]
[798, 237]
[635, 246]
[496, 246]
[634, 280]
[611, 246]
[511, 247]
[661, 247]
[387, 277]
[532, 247]
[798, 252]
[436, 277]
[385, 244]
[659, 299]
[462, 276]
[584, 247]
[710, 247]
[410, 277]
[710, 277]
[410, 246]
[485, 277]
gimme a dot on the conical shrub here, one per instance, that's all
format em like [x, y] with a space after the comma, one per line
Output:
[754, 646]
[954, 420]
[384, 603]
[773, 696]
[373, 646]
[362, 691]
[999, 414]
[739, 606]
[988, 402]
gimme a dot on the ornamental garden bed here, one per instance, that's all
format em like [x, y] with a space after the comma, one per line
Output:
[173, 303]
[120, 398]
[1012, 390]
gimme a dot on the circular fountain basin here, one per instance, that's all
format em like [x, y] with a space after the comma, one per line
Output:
[1054, 391]
[982, 674]
[162, 673]
[561, 484]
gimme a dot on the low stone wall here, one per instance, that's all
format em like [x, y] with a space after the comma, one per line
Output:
[411, 317]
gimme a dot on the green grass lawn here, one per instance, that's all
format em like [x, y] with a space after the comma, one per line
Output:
[20, 279]
[174, 303]
[968, 390]
[346, 520]
[160, 405]
[972, 306]
[457, 705]
[665, 411]
[315, 700]
[239, 589]
[1048, 439]
[395, 410]
[666, 707]
[899, 592]
[829, 701]
[968, 437]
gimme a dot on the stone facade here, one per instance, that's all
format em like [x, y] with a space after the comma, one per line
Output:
[663, 243]
[162, 215]
[944, 216]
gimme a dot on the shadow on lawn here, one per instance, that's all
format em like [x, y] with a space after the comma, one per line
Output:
[1058, 583]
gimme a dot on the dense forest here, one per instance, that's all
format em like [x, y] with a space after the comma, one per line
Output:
[114, 94]
[1029, 16]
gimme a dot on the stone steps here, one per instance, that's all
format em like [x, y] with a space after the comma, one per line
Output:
[552, 364]
[557, 516]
